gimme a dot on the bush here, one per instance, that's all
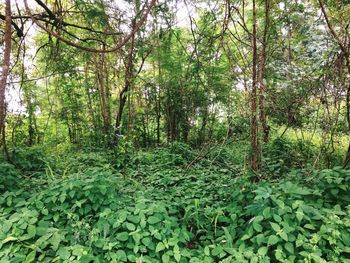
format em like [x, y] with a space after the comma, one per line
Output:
[182, 151]
[9, 177]
[30, 159]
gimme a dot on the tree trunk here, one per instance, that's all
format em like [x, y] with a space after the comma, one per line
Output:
[202, 131]
[262, 87]
[253, 101]
[126, 88]
[102, 92]
[6, 63]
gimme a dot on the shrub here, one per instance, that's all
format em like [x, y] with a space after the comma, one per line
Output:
[9, 177]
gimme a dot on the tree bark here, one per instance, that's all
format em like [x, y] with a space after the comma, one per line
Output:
[103, 92]
[126, 88]
[262, 66]
[253, 100]
[6, 63]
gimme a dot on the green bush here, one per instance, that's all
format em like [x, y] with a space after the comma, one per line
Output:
[30, 159]
[9, 177]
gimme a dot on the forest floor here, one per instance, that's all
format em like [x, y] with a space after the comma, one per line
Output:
[171, 205]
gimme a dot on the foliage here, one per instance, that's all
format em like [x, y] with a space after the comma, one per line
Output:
[167, 211]
[9, 178]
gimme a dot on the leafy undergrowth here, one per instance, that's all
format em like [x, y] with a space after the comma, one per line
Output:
[172, 207]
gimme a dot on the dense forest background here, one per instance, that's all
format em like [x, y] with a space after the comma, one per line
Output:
[175, 131]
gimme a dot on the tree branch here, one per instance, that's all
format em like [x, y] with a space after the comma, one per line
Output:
[70, 43]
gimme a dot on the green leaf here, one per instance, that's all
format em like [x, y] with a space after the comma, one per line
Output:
[130, 226]
[153, 220]
[177, 256]
[257, 227]
[267, 212]
[31, 231]
[262, 251]
[275, 226]
[277, 218]
[165, 258]
[56, 217]
[283, 235]
[245, 237]
[55, 241]
[122, 215]
[137, 237]
[146, 241]
[299, 215]
[103, 189]
[260, 239]
[309, 226]
[289, 247]
[207, 251]
[272, 240]
[63, 253]
[6, 226]
[278, 255]
[134, 219]
[45, 212]
[258, 218]
[122, 255]
[30, 257]
[160, 247]
[217, 251]
[123, 236]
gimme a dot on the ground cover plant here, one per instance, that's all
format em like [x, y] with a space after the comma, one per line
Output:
[165, 211]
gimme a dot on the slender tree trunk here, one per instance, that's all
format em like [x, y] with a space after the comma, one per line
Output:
[262, 87]
[6, 64]
[158, 108]
[202, 131]
[253, 100]
[158, 117]
[264, 135]
[126, 88]
[103, 93]
[89, 100]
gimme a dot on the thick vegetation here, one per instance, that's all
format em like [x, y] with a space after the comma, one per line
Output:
[172, 205]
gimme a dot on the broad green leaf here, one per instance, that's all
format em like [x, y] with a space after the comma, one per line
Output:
[272, 240]
[130, 226]
[177, 256]
[63, 253]
[267, 212]
[262, 251]
[55, 240]
[123, 236]
[160, 246]
[283, 235]
[275, 226]
[257, 227]
[289, 247]
[121, 255]
[207, 251]
[30, 257]
[153, 220]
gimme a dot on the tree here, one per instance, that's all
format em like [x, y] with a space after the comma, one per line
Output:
[6, 65]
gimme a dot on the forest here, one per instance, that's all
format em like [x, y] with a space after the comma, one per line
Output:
[175, 131]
